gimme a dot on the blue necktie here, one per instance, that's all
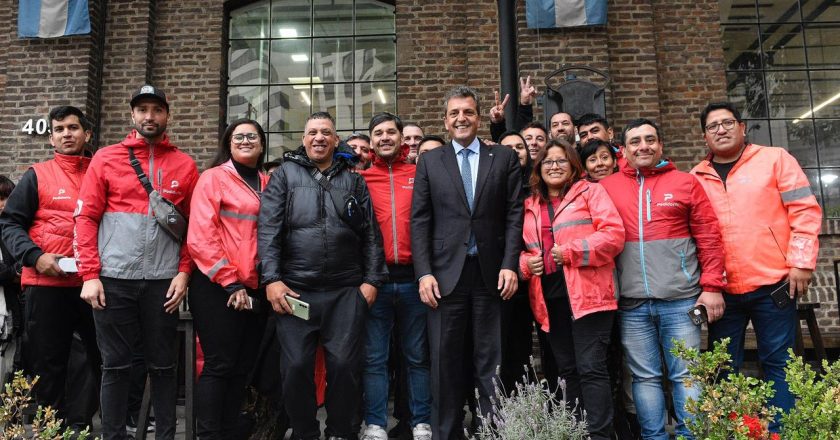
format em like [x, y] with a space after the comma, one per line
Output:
[466, 178]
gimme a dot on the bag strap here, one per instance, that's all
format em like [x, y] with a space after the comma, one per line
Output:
[144, 179]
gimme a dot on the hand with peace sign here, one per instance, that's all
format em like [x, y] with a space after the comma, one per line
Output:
[527, 92]
[497, 112]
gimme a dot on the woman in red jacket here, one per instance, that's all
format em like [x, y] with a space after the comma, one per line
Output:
[222, 239]
[572, 232]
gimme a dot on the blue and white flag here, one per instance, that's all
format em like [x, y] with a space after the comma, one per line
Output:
[53, 18]
[542, 14]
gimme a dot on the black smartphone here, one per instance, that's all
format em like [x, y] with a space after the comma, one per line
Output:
[781, 296]
[698, 314]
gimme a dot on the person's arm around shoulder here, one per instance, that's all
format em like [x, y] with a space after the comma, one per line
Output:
[421, 231]
[705, 229]
[269, 241]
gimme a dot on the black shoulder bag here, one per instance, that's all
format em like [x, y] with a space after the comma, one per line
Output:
[346, 204]
[168, 216]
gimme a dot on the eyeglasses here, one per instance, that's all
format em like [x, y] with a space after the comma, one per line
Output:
[559, 162]
[728, 124]
[239, 138]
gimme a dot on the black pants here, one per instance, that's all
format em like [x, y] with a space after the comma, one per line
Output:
[53, 315]
[230, 340]
[517, 342]
[470, 312]
[337, 320]
[580, 347]
[134, 314]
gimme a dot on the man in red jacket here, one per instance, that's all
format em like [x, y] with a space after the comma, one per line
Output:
[37, 226]
[391, 183]
[672, 261]
[135, 273]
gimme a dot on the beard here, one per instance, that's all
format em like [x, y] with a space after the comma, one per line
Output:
[150, 133]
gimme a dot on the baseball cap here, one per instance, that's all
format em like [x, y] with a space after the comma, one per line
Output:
[149, 91]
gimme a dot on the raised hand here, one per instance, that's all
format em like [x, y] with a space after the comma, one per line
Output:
[527, 92]
[497, 112]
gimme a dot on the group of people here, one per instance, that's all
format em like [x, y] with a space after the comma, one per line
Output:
[452, 249]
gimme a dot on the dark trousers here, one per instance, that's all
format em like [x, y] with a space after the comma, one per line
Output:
[517, 342]
[134, 314]
[470, 312]
[230, 340]
[580, 347]
[336, 319]
[53, 315]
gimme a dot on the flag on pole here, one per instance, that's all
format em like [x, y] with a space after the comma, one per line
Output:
[542, 14]
[53, 18]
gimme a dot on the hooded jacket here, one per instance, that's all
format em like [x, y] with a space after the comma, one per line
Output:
[769, 217]
[590, 234]
[391, 186]
[38, 218]
[672, 246]
[222, 236]
[301, 239]
[116, 233]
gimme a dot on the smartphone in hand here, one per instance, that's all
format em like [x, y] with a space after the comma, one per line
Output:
[68, 265]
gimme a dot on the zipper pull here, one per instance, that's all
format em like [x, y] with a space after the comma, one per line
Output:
[647, 201]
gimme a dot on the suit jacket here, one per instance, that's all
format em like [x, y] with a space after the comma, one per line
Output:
[441, 220]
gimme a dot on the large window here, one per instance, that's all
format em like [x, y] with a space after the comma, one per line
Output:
[783, 72]
[289, 58]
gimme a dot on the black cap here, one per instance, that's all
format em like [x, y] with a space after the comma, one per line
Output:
[148, 91]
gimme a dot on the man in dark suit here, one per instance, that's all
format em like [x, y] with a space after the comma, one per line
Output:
[466, 228]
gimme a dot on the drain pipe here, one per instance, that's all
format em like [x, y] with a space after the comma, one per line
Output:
[508, 66]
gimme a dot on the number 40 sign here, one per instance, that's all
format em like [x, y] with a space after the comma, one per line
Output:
[36, 126]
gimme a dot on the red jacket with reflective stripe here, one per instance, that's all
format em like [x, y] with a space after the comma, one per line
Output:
[769, 217]
[117, 235]
[590, 234]
[59, 180]
[391, 187]
[222, 236]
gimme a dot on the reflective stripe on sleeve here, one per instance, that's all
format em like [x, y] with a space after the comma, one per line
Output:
[796, 194]
[585, 252]
[216, 267]
[237, 215]
[533, 245]
[585, 221]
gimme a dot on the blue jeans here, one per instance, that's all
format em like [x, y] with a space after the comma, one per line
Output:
[647, 332]
[775, 331]
[400, 301]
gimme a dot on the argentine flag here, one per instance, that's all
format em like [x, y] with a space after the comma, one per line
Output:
[53, 18]
[542, 14]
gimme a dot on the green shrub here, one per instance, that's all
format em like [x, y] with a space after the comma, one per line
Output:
[16, 398]
[816, 415]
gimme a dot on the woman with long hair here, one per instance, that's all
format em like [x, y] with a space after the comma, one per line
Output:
[224, 294]
[572, 232]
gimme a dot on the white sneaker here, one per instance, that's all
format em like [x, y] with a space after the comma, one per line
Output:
[422, 431]
[375, 432]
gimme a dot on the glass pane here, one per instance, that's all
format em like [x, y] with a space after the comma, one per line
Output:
[830, 179]
[825, 87]
[788, 94]
[741, 47]
[374, 17]
[814, 179]
[250, 21]
[247, 62]
[746, 91]
[278, 143]
[828, 142]
[337, 99]
[373, 98]
[289, 107]
[758, 131]
[823, 46]
[333, 17]
[783, 46]
[290, 18]
[821, 11]
[248, 102]
[290, 61]
[738, 11]
[779, 11]
[376, 58]
[332, 59]
[797, 138]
